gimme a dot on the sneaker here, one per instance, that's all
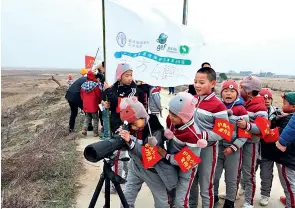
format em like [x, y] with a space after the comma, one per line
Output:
[228, 204]
[247, 205]
[84, 132]
[264, 200]
[241, 192]
[71, 130]
[283, 200]
[95, 134]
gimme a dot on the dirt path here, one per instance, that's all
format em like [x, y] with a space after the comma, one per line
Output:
[89, 180]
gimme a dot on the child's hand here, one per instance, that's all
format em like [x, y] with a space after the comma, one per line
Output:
[281, 147]
[125, 135]
[168, 134]
[227, 151]
[242, 124]
[106, 104]
[106, 85]
[119, 129]
[162, 152]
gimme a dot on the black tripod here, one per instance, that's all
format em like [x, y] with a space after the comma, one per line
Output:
[107, 176]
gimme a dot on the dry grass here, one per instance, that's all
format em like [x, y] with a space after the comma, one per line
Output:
[39, 159]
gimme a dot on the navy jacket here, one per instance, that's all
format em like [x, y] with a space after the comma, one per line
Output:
[287, 138]
[73, 93]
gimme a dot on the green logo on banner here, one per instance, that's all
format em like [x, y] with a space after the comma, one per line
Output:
[184, 49]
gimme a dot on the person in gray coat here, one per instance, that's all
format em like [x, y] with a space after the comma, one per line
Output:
[155, 101]
[161, 178]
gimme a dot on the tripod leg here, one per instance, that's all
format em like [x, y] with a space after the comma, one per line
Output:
[97, 191]
[107, 193]
[121, 195]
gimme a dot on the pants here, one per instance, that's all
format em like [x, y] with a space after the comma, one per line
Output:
[185, 181]
[205, 178]
[100, 118]
[248, 181]
[287, 179]
[171, 90]
[136, 177]
[266, 175]
[232, 165]
[74, 112]
[88, 118]
[120, 166]
[106, 125]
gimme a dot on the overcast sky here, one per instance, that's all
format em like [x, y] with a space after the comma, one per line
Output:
[240, 35]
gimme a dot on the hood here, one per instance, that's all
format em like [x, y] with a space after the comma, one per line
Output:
[238, 101]
[256, 104]
[89, 86]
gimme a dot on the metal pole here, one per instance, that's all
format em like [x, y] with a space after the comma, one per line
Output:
[104, 36]
[185, 10]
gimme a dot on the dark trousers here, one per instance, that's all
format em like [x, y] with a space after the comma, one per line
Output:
[171, 90]
[100, 118]
[74, 112]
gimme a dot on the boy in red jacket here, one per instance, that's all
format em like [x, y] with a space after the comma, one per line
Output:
[254, 104]
[91, 97]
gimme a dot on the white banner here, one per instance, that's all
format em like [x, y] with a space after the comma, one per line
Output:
[160, 51]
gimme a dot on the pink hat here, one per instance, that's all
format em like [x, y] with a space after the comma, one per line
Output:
[251, 83]
[183, 105]
[231, 84]
[131, 110]
[121, 69]
[266, 93]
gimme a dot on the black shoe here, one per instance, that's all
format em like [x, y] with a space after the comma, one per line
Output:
[228, 204]
[90, 128]
[216, 199]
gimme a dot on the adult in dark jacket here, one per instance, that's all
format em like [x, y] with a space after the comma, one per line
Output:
[75, 101]
[145, 88]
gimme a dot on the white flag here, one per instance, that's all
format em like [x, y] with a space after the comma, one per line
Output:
[161, 52]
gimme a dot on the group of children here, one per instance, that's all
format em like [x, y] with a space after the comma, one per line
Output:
[204, 135]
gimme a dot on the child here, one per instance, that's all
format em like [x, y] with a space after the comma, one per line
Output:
[182, 134]
[155, 101]
[254, 104]
[284, 152]
[266, 166]
[230, 153]
[122, 88]
[91, 97]
[162, 176]
[208, 109]
[70, 80]
[191, 89]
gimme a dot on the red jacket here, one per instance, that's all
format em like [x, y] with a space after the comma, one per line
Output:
[91, 96]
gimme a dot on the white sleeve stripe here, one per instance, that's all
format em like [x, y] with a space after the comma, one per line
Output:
[234, 148]
[191, 145]
[132, 145]
[224, 112]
